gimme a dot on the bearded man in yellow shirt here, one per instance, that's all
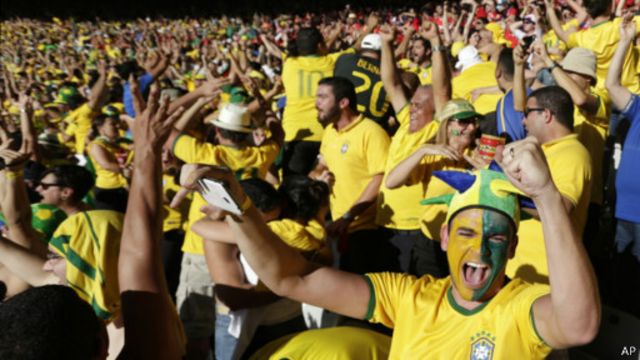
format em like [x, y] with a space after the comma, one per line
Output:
[475, 313]
[353, 150]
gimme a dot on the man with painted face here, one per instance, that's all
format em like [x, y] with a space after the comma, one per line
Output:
[477, 313]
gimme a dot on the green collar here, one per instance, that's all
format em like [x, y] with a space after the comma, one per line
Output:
[459, 309]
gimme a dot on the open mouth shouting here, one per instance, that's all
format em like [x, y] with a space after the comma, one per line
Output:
[475, 275]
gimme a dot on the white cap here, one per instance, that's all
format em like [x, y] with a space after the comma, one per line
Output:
[235, 118]
[468, 57]
[371, 42]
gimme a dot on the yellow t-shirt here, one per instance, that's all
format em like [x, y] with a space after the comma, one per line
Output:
[300, 237]
[424, 73]
[90, 243]
[477, 76]
[80, 121]
[400, 208]
[497, 31]
[592, 133]
[433, 216]
[173, 218]
[603, 39]
[336, 343]
[107, 179]
[247, 162]
[428, 324]
[551, 39]
[570, 166]
[300, 76]
[354, 155]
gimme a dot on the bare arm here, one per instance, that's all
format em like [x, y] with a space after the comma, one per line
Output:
[272, 48]
[570, 314]
[519, 84]
[389, 72]
[285, 271]
[104, 158]
[581, 97]
[441, 73]
[555, 22]
[99, 89]
[404, 44]
[619, 94]
[400, 174]
[149, 315]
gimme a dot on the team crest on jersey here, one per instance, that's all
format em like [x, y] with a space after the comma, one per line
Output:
[344, 148]
[482, 345]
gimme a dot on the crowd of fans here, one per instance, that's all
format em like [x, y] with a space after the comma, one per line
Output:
[452, 181]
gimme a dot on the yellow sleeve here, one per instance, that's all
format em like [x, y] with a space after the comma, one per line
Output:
[604, 107]
[524, 315]
[334, 56]
[377, 147]
[573, 40]
[569, 175]
[190, 150]
[386, 293]
[270, 150]
[403, 115]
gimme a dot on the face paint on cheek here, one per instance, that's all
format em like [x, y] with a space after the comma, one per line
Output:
[494, 253]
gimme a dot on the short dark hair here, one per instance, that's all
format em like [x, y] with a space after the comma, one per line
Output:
[75, 177]
[307, 41]
[303, 196]
[48, 322]
[234, 136]
[505, 63]
[263, 195]
[558, 101]
[597, 8]
[342, 88]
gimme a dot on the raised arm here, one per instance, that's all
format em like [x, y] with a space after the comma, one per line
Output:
[581, 98]
[153, 329]
[519, 84]
[404, 44]
[440, 71]
[401, 173]
[570, 314]
[389, 72]
[99, 89]
[285, 271]
[555, 22]
[619, 94]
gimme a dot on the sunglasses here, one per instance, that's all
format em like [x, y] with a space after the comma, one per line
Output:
[527, 111]
[46, 186]
[467, 121]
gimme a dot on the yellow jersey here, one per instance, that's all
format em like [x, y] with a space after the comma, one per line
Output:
[592, 133]
[246, 162]
[80, 125]
[400, 208]
[107, 179]
[424, 73]
[354, 155]
[335, 343]
[303, 238]
[300, 76]
[433, 216]
[603, 39]
[174, 219]
[90, 243]
[428, 323]
[477, 76]
[570, 166]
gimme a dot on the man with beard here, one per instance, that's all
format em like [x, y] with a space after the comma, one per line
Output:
[353, 151]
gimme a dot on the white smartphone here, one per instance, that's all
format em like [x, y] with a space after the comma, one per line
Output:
[215, 193]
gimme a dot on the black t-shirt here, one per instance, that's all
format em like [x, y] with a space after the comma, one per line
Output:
[364, 73]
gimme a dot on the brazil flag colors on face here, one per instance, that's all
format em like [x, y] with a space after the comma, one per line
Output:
[478, 249]
[483, 216]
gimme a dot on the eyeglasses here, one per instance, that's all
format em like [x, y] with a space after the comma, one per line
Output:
[46, 186]
[527, 111]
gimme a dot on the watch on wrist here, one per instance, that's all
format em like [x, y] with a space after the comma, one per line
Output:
[555, 65]
[348, 216]
[439, 48]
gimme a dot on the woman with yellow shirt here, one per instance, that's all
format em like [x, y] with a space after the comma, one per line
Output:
[450, 151]
[110, 160]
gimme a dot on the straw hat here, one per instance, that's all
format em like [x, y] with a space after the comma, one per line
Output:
[235, 118]
[581, 61]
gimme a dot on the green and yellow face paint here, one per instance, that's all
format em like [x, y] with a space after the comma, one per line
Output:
[478, 250]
